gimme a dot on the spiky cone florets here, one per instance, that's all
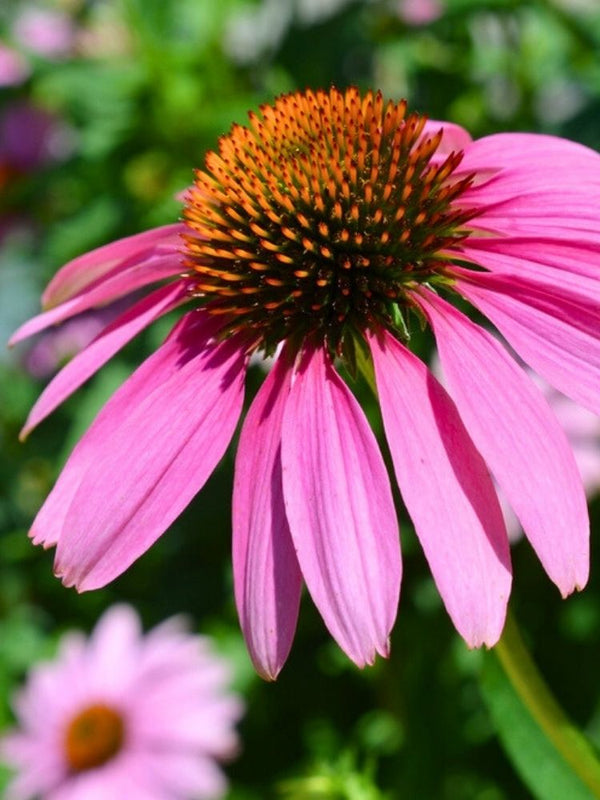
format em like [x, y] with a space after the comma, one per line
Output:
[317, 219]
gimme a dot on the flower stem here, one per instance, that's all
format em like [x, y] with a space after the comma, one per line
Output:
[364, 364]
[531, 688]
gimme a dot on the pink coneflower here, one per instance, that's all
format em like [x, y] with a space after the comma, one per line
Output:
[419, 12]
[124, 715]
[14, 68]
[47, 32]
[331, 223]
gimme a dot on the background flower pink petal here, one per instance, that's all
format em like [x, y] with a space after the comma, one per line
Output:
[111, 671]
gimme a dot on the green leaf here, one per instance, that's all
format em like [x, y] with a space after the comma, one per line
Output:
[551, 756]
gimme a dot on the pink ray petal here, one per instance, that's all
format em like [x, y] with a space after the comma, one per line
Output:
[159, 455]
[555, 214]
[519, 155]
[555, 332]
[507, 165]
[556, 211]
[447, 491]
[182, 774]
[519, 437]
[267, 577]
[105, 345]
[546, 261]
[188, 337]
[119, 285]
[38, 771]
[83, 272]
[454, 137]
[113, 653]
[339, 506]
[508, 203]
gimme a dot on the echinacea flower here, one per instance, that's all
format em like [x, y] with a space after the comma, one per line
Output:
[124, 715]
[330, 224]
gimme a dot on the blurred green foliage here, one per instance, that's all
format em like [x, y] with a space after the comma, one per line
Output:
[146, 87]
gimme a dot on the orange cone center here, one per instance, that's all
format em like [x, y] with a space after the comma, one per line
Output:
[93, 737]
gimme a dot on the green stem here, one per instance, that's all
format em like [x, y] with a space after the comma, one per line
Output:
[527, 682]
[364, 363]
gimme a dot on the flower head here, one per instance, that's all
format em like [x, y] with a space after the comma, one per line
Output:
[313, 181]
[124, 715]
[331, 225]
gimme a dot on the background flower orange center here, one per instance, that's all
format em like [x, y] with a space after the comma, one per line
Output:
[93, 737]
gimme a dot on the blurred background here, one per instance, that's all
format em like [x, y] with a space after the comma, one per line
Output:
[106, 106]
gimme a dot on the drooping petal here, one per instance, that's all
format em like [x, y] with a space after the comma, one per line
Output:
[520, 439]
[340, 510]
[188, 338]
[555, 332]
[447, 491]
[266, 574]
[149, 468]
[86, 270]
[105, 345]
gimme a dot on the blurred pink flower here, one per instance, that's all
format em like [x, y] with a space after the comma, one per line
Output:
[14, 68]
[123, 715]
[419, 12]
[29, 138]
[55, 347]
[47, 32]
[583, 430]
[329, 224]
